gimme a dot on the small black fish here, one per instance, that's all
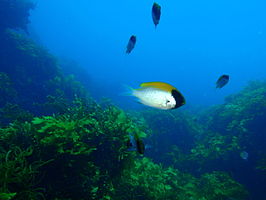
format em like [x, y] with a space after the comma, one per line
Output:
[140, 146]
[131, 43]
[136, 144]
[222, 81]
[156, 13]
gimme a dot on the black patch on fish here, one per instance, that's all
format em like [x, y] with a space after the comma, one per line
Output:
[133, 38]
[179, 99]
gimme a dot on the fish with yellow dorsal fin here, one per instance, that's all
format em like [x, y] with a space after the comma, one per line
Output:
[159, 95]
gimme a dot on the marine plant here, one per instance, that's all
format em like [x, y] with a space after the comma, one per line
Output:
[243, 115]
[147, 180]
[57, 143]
[214, 146]
[209, 152]
[86, 146]
[32, 78]
[219, 185]
[241, 110]
[18, 175]
[13, 112]
[170, 128]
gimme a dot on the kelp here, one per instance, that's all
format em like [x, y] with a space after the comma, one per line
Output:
[171, 128]
[240, 111]
[18, 175]
[13, 112]
[215, 138]
[87, 145]
[214, 146]
[57, 143]
[147, 180]
[179, 139]
[7, 196]
[219, 185]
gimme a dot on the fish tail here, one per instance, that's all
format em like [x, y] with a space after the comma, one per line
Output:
[128, 91]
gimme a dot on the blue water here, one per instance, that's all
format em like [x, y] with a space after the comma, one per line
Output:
[195, 43]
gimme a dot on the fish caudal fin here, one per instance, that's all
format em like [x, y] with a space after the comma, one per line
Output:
[128, 91]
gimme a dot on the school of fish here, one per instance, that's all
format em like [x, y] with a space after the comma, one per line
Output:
[160, 95]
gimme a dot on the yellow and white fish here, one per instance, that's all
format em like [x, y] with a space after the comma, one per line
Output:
[159, 95]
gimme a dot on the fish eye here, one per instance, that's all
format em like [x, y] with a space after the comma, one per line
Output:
[167, 101]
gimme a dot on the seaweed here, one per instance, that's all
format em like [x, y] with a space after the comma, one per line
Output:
[56, 142]
[87, 145]
[219, 185]
[32, 78]
[18, 175]
[147, 180]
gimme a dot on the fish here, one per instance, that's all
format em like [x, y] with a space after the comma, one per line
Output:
[244, 155]
[156, 14]
[131, 43]
[222, 81]
[135, 143]
[140, 146]
[159, 95]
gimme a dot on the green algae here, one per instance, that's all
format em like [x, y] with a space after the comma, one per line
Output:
[63, 145]
[87, 144]
[147, 180]
[7, 196]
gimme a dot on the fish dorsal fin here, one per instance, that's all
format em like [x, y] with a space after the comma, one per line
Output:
[160, 85]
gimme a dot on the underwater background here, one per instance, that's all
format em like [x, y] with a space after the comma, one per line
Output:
[67, 123]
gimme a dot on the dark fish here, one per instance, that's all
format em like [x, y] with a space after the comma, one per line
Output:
[222, 81]
[156, 13]
[136, 144]
[131, 43]
[140, 146]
